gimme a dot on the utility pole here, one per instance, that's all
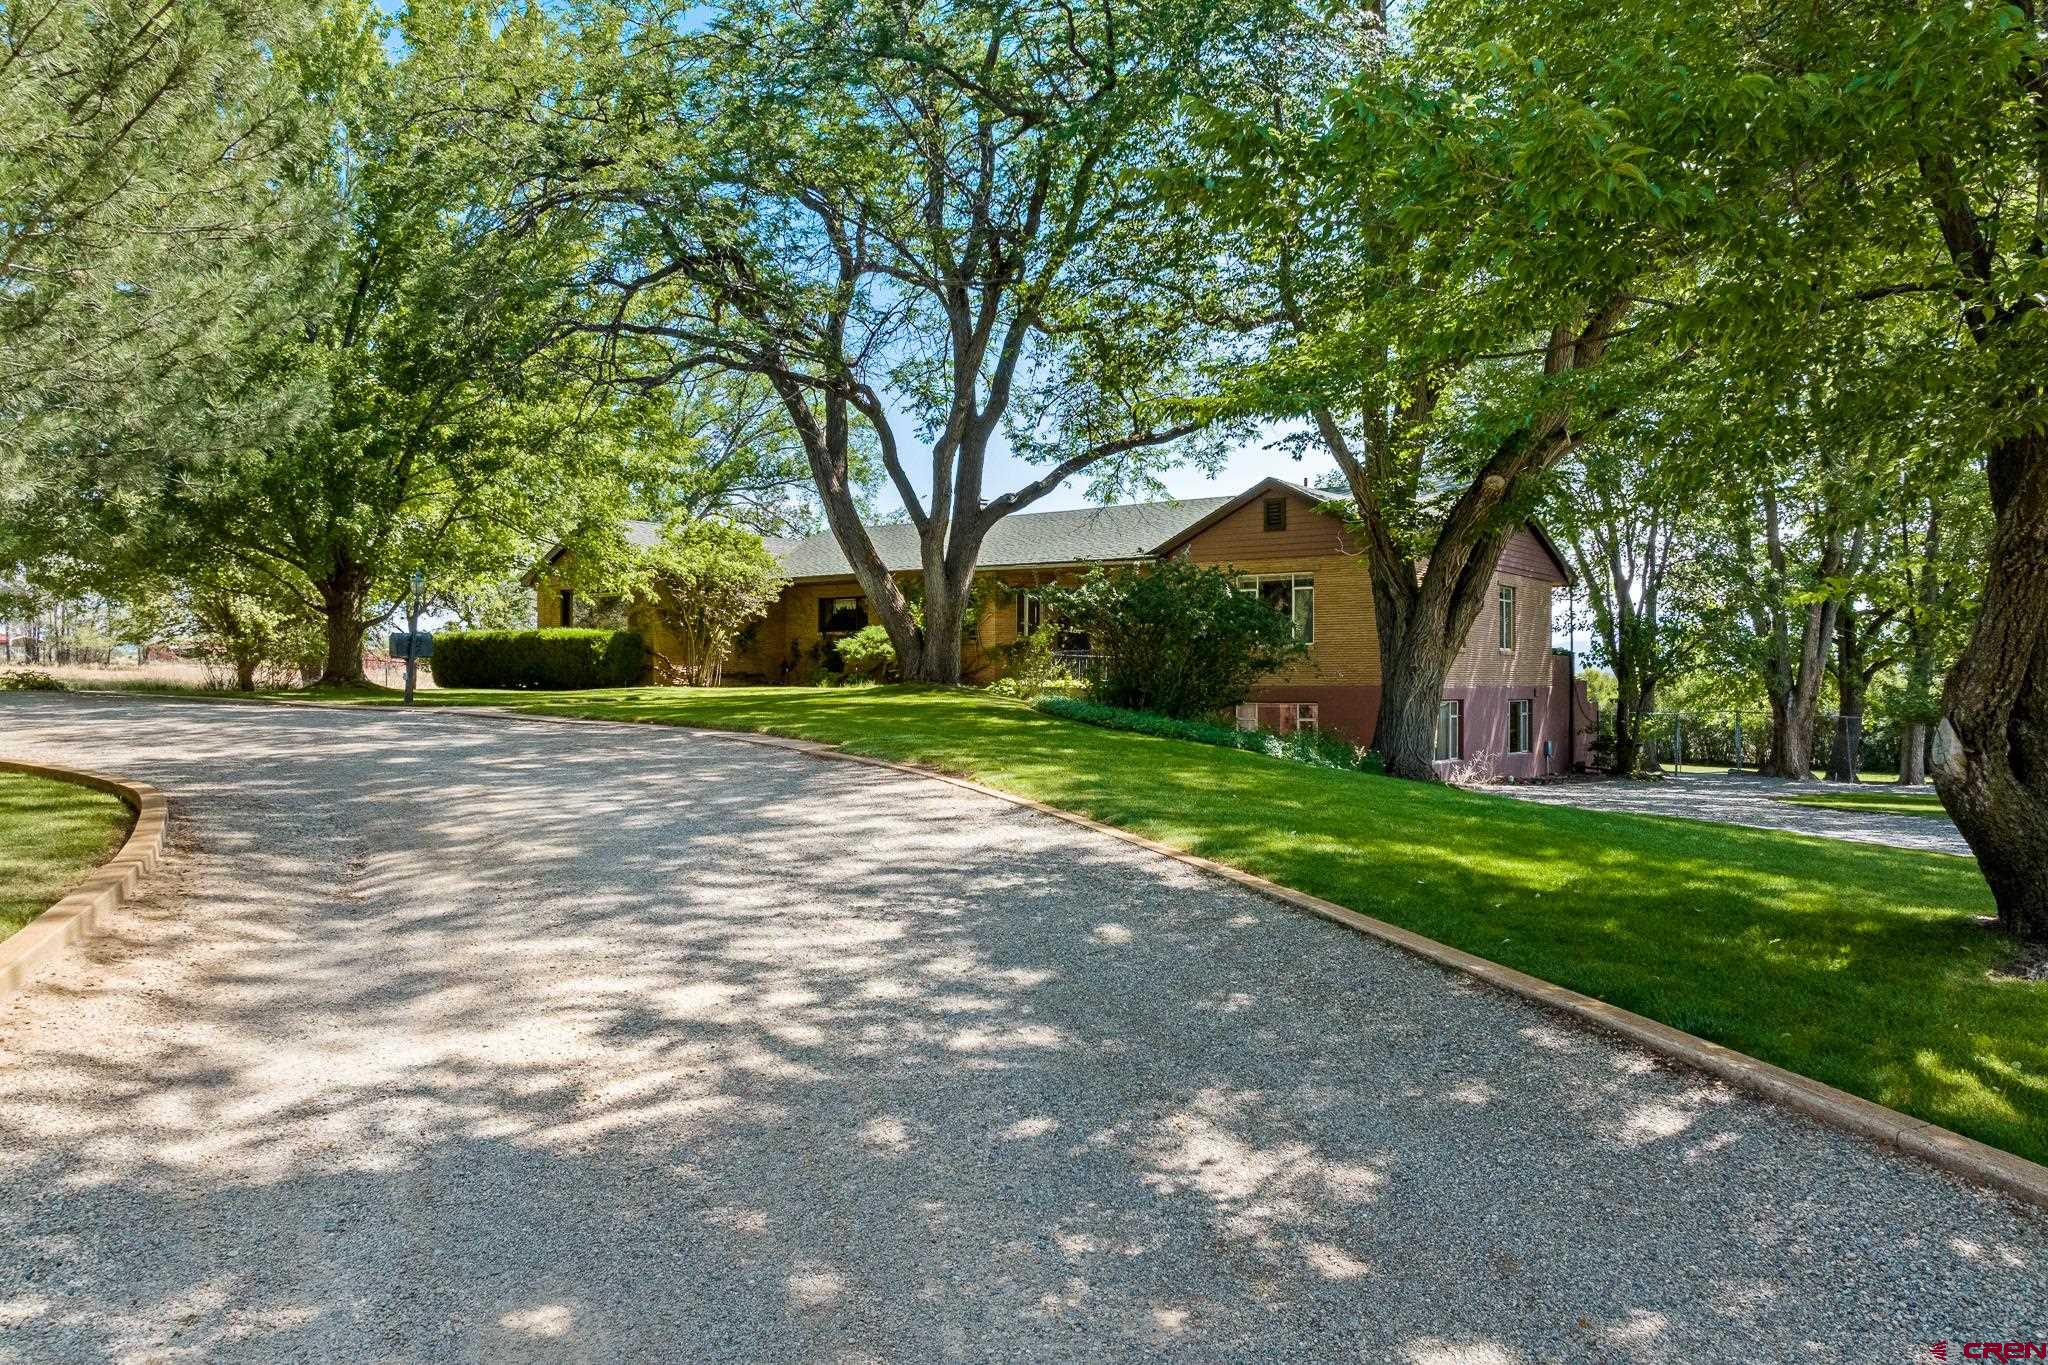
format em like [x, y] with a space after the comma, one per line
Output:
[412, 636]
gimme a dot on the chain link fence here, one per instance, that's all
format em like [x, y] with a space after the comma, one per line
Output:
[1718, 741]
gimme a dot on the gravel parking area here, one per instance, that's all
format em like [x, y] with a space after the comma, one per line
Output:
[1750, 800]
[466, 1039]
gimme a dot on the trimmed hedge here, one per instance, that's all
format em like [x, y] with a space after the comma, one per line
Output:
[1303, 746]
[553, 660]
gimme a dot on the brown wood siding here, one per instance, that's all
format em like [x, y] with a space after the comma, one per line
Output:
[1242, 536]
[1346, 651]
[1524, 557]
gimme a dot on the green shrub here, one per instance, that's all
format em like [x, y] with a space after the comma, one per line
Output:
[554, 660]
[1313, 747]
[867, 654]
[1016, 689]
[1029, 666]
[31, 680]
[1174, 638]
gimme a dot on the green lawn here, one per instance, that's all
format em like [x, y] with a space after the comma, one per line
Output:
[51, 835]
[1861, 966]
[1891, 803]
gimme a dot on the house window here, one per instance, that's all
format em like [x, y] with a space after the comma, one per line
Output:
[1030, 613]
[1276, 514]
[1450, 731]
[841, 615]
[1518, 727]
[1507, 617]
[1031, 616]
[567, 607]
[1305, 715]
[1291, 594]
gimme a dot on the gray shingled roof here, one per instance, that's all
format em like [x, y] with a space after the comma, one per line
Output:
[1084, 536]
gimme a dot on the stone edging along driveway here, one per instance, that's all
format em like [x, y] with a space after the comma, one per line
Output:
[1952, 1152]
[112, 882]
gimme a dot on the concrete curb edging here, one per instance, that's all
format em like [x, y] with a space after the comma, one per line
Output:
[1967, 1158]
[112, 882]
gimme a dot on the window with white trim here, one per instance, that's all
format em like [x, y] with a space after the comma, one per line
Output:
[1518, 726]
[1031, 616]
[1507, 616]
[1450, 731]
[1030, 612]
[1293, 595]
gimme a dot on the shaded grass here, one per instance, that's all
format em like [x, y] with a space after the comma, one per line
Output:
[1891, 803]
[51, 835]
[1864, 967]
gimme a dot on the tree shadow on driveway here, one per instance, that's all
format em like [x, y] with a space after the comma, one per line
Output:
[469, 1041]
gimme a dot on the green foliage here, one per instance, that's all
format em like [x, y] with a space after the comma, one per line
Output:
[1175, 638]
[1301, 746]
[424, 434]
[708, 581]
[867, 654]
[148, 219]
[244, 625]
[566, 660]
[30, 680]
[1029, 667]
[920, 222]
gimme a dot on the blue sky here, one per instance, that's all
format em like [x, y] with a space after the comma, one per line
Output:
[1247, 465]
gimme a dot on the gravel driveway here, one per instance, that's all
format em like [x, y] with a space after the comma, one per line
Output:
[450, 1039]
[1752, 800]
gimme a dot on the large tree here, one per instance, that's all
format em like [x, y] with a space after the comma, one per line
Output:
[1454, 273]
[1626, 510]
[1937, 531]
[425, 437]
[146, 215]
[1908, 149]
[919, 224]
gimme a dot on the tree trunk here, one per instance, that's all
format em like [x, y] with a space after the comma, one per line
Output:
[245, 673]
[341, 606]
[1912, 754]
[1794, 716]
[1771, 760]
[1421, 631]
[1628, 728]
[945, 609]
[1991, 754]
[1844, 763]
[1411, 694]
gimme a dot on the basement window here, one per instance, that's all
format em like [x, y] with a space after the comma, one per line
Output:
[1518, 727]
[1450, 731]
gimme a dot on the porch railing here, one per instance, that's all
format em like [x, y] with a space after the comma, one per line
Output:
[1078, 666]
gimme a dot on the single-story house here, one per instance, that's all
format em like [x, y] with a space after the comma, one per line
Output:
[1509, 696]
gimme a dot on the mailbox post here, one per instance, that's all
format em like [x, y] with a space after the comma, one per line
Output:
[412, 636]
